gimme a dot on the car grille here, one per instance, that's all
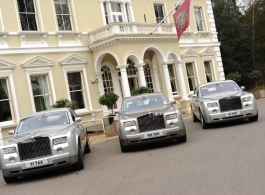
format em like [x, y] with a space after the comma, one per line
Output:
[150, 122]
[34, 149]
[230, 103]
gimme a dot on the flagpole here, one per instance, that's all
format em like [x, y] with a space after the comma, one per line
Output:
[164, 18]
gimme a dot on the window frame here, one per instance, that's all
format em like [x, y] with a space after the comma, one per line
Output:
[70, 16]
[35, 14]
[211, 67]
[195, 75]
[201, 20]
[163, 12]
[177, 93]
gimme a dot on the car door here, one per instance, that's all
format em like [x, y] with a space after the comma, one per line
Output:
[80, 129]
[196, 102]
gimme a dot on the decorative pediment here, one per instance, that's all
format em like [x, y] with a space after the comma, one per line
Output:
[73, 59]
[189, 53]
[38, 61]
[207, 52]
[5, 65]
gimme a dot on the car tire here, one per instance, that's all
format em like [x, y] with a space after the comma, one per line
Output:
[203, 123]
[10, 179]
[87, 147]
[124, 148]
[254, 118]
[182, 139]
[80, 164]
[194, 118]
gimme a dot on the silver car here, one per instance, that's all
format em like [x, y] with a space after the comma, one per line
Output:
[43, 141]
[222, 101]
[149, 118]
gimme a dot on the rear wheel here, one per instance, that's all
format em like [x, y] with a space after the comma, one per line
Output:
[254, 118]
[203, 123]
[80, 164]
[10, 179]
[124, 148]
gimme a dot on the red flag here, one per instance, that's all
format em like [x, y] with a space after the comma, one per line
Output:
[181, 17]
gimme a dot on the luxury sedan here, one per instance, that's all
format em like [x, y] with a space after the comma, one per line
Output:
[147, 118]
[43, 141]
[222, 101]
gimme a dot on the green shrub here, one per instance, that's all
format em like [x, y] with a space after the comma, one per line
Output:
[108, 99]
[255, 75]
[141, 90]
[235, 76]
[62, 103]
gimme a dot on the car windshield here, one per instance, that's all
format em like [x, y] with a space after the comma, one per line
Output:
[140, 103]
[219, 88]
[43, 120]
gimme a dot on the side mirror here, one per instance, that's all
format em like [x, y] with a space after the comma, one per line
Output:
[194, 96]
[78, 119]
[11, 132]
[172, 101]
[243, 88]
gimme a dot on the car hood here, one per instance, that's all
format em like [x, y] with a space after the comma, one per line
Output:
[43, 132]
[221, 96]
[144, 112]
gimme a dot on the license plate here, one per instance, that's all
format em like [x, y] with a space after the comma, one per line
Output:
[36, 163]
[152, 134]
[232, 113]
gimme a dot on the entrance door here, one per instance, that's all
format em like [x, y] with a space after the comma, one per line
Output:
[133, 83]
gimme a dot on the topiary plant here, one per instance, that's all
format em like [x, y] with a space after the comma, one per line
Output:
[108, 99]
[62, 103]
[141, 90]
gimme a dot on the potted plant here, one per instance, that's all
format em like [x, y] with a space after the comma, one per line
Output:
[141, 90]
[109, 99]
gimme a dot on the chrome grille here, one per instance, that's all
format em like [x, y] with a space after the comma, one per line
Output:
[150, 122]
[230, 103]
[34, 149]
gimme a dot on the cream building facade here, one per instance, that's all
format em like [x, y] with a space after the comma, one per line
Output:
[80, 49]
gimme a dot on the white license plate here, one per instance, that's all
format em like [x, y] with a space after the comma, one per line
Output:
[36, 163]
[152, 134]
[232, 113]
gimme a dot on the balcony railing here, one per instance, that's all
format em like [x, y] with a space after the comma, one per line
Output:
[129, 28]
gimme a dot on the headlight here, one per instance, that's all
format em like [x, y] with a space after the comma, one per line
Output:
[171, 116]
[10, 150]
[129, 123]
[246, 99]
[60, 140]
[214, 104]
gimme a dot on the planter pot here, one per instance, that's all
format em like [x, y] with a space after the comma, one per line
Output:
[111, 119]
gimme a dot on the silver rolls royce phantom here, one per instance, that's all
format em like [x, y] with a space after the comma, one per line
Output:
[222, 101]
[43, 141]
[147, 118]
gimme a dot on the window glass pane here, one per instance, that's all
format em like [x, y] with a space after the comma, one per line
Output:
[32, 22]
[3, 89]
[39, 85]
[5, 111]
[65, 8]
[67, 23]
[21, 6]
[58, 8]
[77, 97]
[74, 81]
[113, 7]
[42, 103]
[29, 6]
[63, 14]
[27, 15]
[120, 18]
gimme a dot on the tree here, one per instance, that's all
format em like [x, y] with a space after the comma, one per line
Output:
[62, 103]
[235, 76]
[141, 90]
[108, 99]
[255, 75]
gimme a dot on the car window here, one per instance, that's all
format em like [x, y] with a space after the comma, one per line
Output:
[219, 88]
[43, 120]
[145, 102]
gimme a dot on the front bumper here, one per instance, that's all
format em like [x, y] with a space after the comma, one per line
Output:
[54, 162]
[164, 134]
[221, 117]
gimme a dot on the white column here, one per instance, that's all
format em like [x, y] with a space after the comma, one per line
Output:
[109, 11]
[123, 9]
[103, 12]
[182, 85]
[116, 85]
[141, 76]
[124, 79]
[156, 79]
[167, 80]
[131, 12]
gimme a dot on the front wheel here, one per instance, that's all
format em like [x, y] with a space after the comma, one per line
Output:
[182, 139]
[124, 148]
[203, 123]
[10, 179]
[87, 147]
[254, 118]
[194, 118]
[80, 163]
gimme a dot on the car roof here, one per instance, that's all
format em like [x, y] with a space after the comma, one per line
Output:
[47, 111]
[153, 93]
[224, 81]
